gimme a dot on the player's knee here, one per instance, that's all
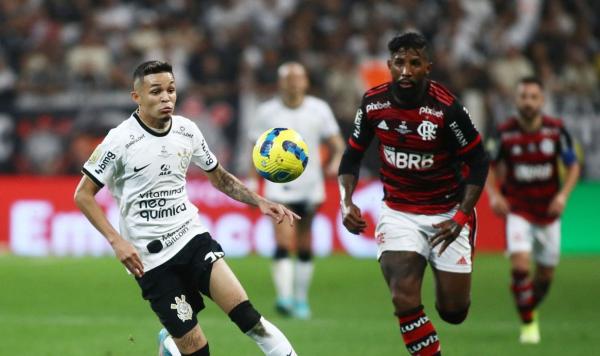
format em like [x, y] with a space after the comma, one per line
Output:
[204, 351]
[453, 316]
[404, 302]
[244, 316]
[305, 255]
[281, 252]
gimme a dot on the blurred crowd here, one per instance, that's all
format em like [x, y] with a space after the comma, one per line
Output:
[66, 65]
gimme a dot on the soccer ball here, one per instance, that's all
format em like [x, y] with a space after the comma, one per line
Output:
[280, 155]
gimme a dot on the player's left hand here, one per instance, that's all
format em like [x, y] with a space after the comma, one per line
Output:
[557, 205]
[277, 211]
[448, 232]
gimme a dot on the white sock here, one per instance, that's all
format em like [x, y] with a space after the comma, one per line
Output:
[283, 273]
[271, 341]
[302, 278]
[170, 345]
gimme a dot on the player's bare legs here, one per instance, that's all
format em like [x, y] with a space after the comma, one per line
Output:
[283, 268]
[230, 296]
[193, 341]
[453, 295]
[304, 267]
[403, 271]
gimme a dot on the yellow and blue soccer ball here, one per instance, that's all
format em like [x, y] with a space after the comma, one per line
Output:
[280, 155]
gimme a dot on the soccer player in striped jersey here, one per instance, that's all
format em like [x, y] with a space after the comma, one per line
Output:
[434, 169]
[527, 148]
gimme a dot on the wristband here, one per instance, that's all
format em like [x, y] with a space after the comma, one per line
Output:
[460, 218]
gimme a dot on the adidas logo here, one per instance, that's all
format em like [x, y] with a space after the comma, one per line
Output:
[462, 261]
[382, 125]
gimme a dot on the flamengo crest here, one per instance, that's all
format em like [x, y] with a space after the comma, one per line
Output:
[427, 130]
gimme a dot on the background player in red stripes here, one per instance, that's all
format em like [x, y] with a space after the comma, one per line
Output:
[434, 168]
[529, 146]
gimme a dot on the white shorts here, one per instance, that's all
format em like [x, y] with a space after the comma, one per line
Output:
[542, 240]
[400, 231]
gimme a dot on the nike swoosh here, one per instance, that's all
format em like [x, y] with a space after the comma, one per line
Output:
[135, 169]
[290, 354]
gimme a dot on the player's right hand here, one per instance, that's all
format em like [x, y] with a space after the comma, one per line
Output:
[128, 256]
[352, 218]
[499, 205]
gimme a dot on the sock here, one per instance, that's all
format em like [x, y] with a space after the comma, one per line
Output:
[170, 345]
[283, 274]
[522, 289]
[540, 289]
[303, 272]
[271, 341]
[418, 333]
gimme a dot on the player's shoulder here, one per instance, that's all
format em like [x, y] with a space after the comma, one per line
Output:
[315, 102]
[377, 91]
[124, 130]
[552, 122]
[510, 124]
[440, 93]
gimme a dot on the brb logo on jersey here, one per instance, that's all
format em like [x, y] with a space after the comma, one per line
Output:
[403, 160]
[427, 130]
[378, 106]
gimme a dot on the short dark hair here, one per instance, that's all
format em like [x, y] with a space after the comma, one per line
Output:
[532, 80]
[151, 67]
[412, 40]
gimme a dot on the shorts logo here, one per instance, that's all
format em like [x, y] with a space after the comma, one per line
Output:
[462, 261]
[184, 309]
[380, 238]
[213, 256]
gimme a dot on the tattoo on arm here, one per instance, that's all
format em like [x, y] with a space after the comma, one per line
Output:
[233, 187]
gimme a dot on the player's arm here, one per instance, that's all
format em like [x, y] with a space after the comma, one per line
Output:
[336, 146]
[349, 170]
[466, 143]
[569, 158]
[85, 199]
[498, 202]
[234, 188]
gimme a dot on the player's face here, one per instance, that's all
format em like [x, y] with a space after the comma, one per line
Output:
[294, 81]
[156, 95]
[409, 68]
[530, 100]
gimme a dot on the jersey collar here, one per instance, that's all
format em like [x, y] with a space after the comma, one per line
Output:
[150, 130]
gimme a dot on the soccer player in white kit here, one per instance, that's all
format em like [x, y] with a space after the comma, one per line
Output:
[314, 120]
[161, 241]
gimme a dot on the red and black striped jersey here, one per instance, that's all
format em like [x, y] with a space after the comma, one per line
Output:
[420, 147]
[531, 160]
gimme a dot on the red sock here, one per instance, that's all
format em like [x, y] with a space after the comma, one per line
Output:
[418, 333]
[522, 289]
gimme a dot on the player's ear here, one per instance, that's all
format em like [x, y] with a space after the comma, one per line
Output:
[135, 97]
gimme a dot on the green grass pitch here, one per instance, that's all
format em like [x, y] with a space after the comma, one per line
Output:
[90, 306]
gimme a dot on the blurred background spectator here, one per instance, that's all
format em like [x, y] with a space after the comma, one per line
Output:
[65, 65]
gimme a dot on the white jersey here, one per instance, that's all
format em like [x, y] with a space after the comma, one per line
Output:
[145, 171]
[315, 122]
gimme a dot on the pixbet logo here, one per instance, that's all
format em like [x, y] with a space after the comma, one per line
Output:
[429, 111]
[378, 106]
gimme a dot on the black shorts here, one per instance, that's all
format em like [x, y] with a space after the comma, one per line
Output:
[174, 288]
[303, 208]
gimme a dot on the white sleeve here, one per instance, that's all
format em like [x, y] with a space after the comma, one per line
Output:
[102, 164]
[330, 126]
[202, 156]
